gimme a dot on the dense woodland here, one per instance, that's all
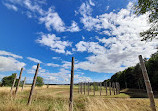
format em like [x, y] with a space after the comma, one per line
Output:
[132, 76]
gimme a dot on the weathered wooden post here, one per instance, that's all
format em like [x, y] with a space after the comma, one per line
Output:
[13, 84]
[116, 84]
[78, 88]
[81, 87]
[23, 84]
[100, 88]
[84, 88]
[94, 88]
[16, 91]
[106, 88]
[33, 85]
[114, 87]
[118, 88]
[71, 85]
[110, 87]
[147, 84]
[88, 88]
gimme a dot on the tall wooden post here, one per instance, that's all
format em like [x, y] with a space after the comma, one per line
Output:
[147, 84]
[81, 87]
[114, 87]
[23, 84]
[94, 88]
[33, 85]
[84, 88]
[88, 88]
[71, 85]
[78, 88]
[100, 88]
[106, 88]
[16, 91]
[13, 84]
[118, 88]
[110, 87]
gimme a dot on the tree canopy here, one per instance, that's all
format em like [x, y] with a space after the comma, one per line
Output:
[132, 77]
[151, 7]
[8, 80]
[39, 81]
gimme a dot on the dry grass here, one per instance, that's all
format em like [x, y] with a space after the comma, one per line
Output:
[55, 98]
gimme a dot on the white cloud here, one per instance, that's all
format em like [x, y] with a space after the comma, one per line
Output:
[120, 50]
[50, 18]
[10, 6]
[54, 43]
[5, 53]
[9, 62]
[52, 65]
[33, 69]
[34, 60]
[91, 3]
[57, 58]
[53, 20]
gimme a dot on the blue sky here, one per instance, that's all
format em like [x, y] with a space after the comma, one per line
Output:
[102, 35]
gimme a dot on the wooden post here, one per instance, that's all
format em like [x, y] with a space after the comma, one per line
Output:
[33, 85]
[81, 87]
[100, 88]
[147, 84]
[106, 88]
[114, 87]
[84, 88]
[71, 85]
[94, 88]
[16, 91]
[110, 87]
[23, 84]
[78, 88]
[88, 88]
[116, 84]
[118, 88]
[13, 84]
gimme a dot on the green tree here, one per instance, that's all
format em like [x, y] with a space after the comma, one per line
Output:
[39, 81]
[150, 6]
[8, 80]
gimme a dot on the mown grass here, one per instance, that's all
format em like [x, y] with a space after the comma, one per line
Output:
[56, 98]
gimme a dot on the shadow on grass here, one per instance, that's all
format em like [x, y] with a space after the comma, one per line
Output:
[137, 93]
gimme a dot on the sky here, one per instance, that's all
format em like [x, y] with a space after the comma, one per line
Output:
[102, 35]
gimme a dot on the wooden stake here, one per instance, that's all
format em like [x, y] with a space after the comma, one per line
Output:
[84, 88]
[13, 83]
[23, 84]
[88, 88]
[81, 87]
[78, 88]
[100, 88]
[110, 87]
[94, 88]
[71, 85]
[33, 85]
[16, 91]
[114, 87]
[106, 88]
[147, 84]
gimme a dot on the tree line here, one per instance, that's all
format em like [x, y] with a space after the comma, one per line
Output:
[8, 81]
[132, 77]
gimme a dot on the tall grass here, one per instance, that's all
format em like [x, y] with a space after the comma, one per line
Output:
[56, 98]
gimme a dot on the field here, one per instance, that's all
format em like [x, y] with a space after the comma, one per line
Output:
[56, 98]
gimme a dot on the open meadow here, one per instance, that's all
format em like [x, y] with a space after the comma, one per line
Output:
[56, 98]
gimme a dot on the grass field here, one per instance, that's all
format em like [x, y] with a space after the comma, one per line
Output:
[56, 98]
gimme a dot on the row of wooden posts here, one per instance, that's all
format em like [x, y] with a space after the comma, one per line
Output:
[114, 88]
[144, 71]
[32, 87]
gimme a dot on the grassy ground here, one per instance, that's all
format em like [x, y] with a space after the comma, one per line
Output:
[56, 98]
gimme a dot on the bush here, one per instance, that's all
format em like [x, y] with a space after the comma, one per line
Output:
[39, 81]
